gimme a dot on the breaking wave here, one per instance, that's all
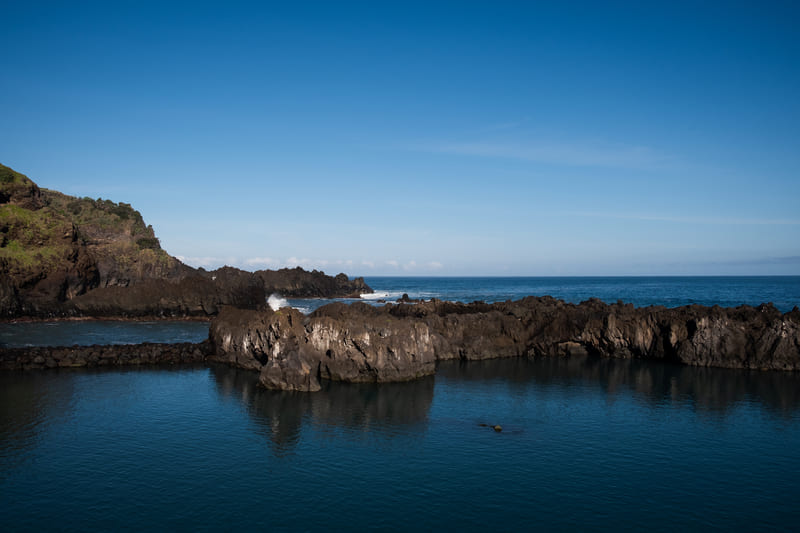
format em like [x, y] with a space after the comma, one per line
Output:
[382, 295]
[276, 302]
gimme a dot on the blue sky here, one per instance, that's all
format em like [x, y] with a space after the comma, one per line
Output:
[431, 138]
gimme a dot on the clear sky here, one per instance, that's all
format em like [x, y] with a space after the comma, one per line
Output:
[430, 138]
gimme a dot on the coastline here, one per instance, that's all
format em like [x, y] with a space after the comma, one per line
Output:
[401, 342]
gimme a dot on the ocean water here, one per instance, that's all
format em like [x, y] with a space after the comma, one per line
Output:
[586, 444]
[726, 291]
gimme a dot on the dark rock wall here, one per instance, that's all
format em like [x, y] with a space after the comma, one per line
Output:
[299, 283]
[190, 296]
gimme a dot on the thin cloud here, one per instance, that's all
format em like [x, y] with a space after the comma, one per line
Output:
[502, 126]
[723, 221]
[259, 261]
[295, 262]
[786, 260]
[581, 155]
[206, 261]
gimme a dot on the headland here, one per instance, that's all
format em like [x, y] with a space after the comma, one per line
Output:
[63, 257]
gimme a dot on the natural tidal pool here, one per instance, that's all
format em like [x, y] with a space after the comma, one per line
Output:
[585, 444]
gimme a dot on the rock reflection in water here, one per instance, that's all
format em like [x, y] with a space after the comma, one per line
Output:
[707, 389]
[389, 407]
[351, 407]
[26, 405]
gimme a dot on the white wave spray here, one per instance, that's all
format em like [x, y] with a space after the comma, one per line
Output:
[382, 295]
[276, 302]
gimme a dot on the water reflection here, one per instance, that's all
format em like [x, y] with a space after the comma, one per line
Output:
[401, 407]
[350, 407]
[26, 406]
[24, 402]
[30, 401]
[706, 389]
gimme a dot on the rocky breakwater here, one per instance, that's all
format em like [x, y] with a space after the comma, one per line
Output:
[43, 357]
[401, 342]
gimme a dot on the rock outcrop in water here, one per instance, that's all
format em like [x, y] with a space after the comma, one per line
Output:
[354, 343]
[62, 256]
[401, 342]
[361, 343]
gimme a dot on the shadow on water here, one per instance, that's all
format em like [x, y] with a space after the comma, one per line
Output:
[349, 407]
[26, 404]
[707, 389]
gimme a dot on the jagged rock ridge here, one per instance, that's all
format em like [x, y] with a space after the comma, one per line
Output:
[401, 342]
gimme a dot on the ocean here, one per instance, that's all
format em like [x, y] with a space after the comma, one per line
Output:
[782, 291]
[725, 291]
[586, 443]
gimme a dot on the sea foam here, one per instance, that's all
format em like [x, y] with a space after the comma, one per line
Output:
[276, 302]
[382, 295]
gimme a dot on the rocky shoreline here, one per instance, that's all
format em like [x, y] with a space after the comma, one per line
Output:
[63, 257]
[198, 295]
[401, 342]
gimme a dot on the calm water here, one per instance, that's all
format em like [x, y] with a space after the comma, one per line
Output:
[586, 444]
[88, 332]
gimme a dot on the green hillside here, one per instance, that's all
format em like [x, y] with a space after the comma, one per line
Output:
[55, 245]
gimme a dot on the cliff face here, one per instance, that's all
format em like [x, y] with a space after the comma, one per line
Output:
[55, 247]
[401, 342]
[67, 256]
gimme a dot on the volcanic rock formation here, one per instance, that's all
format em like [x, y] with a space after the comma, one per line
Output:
[401, 342]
